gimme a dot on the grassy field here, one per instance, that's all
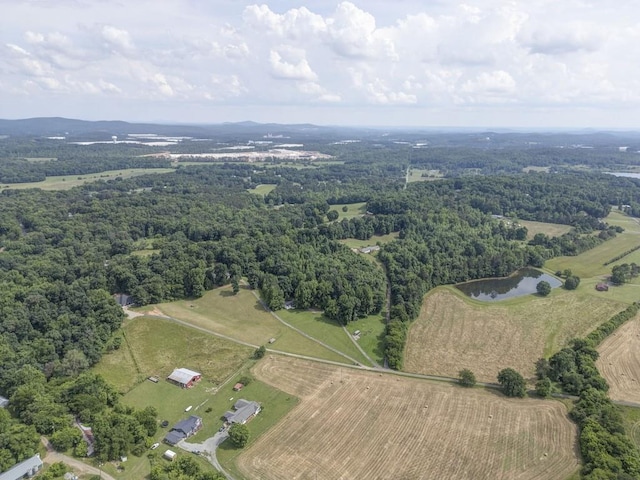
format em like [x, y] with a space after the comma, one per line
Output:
[550, 229]
[322, 328]
[154, 346]
[67, 182]
[353, 210]
[354, 424]
[619, 362]
[590, 263]
[631, 418]
[422, 175]
[453, 332]
[262, 189]
[371, 336]
[242, 317]
[355, 243]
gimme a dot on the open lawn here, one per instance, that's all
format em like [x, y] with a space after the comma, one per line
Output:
[453, 332]
[155, 346]
[371, 336]
[631, 418]
[590, 263]
[422, 175]
[550, 229]
[66, 182]
[382, 239]
[353, 210]
[619, 361]
[352, 424]
[242, 317]
[262, 189]
[324, 329]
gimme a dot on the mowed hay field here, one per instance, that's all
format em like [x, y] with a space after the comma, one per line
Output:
[453, 333]
[353, 424]
[619, 361]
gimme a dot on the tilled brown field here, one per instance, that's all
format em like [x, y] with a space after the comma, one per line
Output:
[619, 362]
[451, 334]
[362, 425]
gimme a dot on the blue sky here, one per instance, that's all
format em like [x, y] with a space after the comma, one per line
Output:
[483, 63]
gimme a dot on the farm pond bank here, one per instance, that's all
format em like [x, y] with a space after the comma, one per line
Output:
[522, 282]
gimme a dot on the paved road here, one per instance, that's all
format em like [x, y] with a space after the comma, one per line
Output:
[208, 450]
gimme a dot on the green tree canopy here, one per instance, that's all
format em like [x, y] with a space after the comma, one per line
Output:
[513, 384]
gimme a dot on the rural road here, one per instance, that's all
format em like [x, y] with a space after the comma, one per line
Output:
[208, 449]
[77, 465]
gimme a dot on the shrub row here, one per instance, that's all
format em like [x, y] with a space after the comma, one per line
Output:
[622, 255]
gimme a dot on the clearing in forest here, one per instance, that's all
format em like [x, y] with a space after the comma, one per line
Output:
[453, 333]
[356, 424]
[550, 229]
[242, 317]
[67, 182]
[619, 361]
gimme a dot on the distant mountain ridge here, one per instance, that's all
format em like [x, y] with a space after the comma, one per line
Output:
[59, 126]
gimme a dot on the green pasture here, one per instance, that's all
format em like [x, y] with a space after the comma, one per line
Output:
[155, 346]
[630, 224]
[263, 189]
[631, 420]
[243, 317]
[66, 182]
[323, 329]
[590, 263]
[353, 210]
[374, 240]
[424, 175]
[549, 229]
[371, 336]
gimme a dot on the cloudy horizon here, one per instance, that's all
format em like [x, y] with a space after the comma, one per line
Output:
[483, 63]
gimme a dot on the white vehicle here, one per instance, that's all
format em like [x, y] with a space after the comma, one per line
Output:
[154, 446]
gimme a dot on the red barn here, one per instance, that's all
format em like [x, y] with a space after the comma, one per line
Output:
[183, 377]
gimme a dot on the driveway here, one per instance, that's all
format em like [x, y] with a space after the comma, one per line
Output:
[208, 449]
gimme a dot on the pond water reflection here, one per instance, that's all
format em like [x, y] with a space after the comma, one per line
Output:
[523, 282]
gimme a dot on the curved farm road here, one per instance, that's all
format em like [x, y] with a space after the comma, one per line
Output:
[208, 449]
[78, 466]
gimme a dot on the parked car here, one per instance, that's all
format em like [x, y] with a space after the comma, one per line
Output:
[155, 445]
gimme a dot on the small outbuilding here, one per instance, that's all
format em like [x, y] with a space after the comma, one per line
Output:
[170, 455]
[238, 386]
[183, 377]
[602, 287]
[4, 402]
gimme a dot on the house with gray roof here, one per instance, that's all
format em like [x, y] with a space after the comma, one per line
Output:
[244, 410]
[183, 429]
[26, 469]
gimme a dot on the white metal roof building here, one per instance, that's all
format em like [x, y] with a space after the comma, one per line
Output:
[184, 377]
[25, 469]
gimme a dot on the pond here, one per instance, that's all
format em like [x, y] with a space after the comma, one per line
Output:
[523, 282]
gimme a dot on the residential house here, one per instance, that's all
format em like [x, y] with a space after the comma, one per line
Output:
[183, 429]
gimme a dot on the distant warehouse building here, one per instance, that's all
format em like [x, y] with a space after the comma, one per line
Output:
[183, 377]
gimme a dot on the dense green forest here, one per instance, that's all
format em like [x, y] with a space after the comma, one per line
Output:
[64, 254]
